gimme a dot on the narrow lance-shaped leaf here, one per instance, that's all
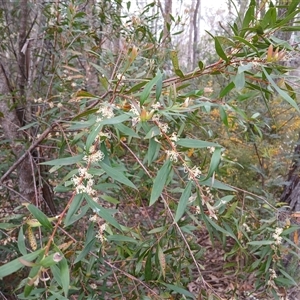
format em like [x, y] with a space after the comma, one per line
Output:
[40, 216]
[160, 181]
[102, 212]
[183, 201]
[64, 161]
[214, 163]
[16, 264]
[149, 86]
[282, 93]
[148, 267]
[193, 143]
[21, 242]
[116, 175]
[220, 50]
[65, 275]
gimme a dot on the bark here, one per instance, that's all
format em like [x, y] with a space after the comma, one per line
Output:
[196, 32]
[18, 69]
[283, 35]
[291, 193]
[166, 12]
[10, 124]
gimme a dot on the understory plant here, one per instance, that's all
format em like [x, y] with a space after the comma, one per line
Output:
[142, 164]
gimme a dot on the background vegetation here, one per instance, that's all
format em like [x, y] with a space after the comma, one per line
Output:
[142, 160]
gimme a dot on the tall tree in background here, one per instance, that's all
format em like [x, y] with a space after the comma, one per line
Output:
[196, 30]
[17, 69]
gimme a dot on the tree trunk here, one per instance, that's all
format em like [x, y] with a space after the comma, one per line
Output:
[196, 32]
[291, 193]
[17, 71]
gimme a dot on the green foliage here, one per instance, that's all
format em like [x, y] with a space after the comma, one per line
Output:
[145, 166]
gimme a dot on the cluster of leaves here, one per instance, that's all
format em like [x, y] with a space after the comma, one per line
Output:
[144, 138]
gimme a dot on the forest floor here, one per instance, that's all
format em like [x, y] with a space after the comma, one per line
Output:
[224, 275]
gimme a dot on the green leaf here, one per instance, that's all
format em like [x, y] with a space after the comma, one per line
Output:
[85, 113]
[249, 17]
[149, 86]
[115, 120]
[179, 73]
[85, 251]
[32, 276]
[214, 163]
[216, 184]
[226, 90]
[153, 151]
[64, 161]
[148, 267]
[239, 81]
[200, 65]
[220, 50]
[102, 212]
[183, 201]
[21, 242]
[282, 93]
[122, 238]
[116, 175]
[40, 216]
[192, 143]
[285, 274]
[75, 205]
[160, 181]
[126, 130]
[136, 87]
[260, 243]
[15, 264]
[223, 116]
[158, 90]
[154, 131]
[51, 260]
[179, 290]
[244, 41]
[65, 275]
[94, 133]
[219, 228]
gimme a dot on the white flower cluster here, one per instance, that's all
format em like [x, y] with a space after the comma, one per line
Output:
[136, 114]
[247, 228]
[193, 172]
[211, 149]
[276, 236]
[100, 236]
[164, 127]
[271, 282]
[156, 106]
[84, 183]
[94, 155]
[106, 111]
[173, 155]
